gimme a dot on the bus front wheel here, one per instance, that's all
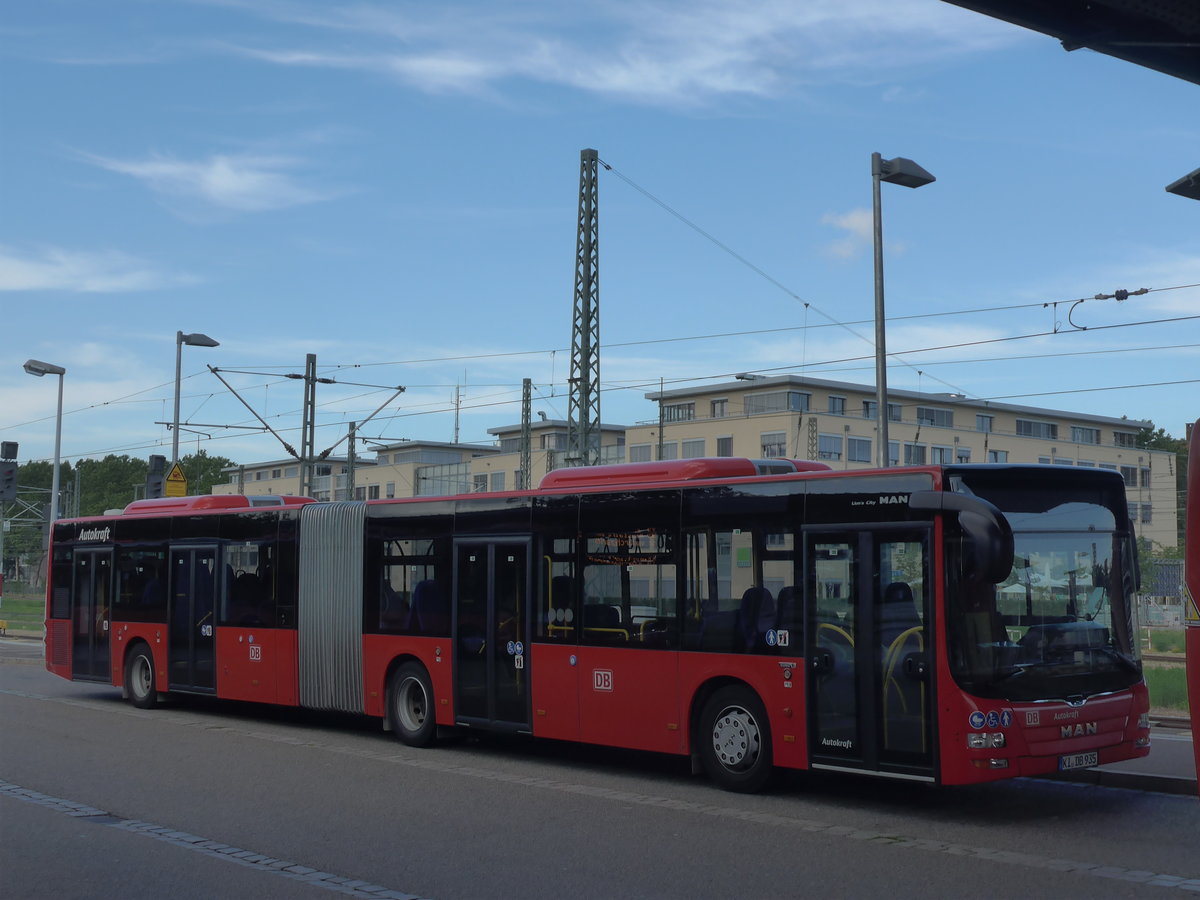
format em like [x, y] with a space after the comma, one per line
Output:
[139, 678]
[734, 740]
[410, 705]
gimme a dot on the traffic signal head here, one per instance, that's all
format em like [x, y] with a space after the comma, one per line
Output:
[8, 479]
[156, 476]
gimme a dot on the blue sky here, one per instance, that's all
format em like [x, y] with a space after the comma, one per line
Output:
[393, 187]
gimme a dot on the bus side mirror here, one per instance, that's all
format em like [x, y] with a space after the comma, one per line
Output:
[987, 552]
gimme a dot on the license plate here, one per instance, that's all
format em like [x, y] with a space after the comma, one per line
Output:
[1078, 760]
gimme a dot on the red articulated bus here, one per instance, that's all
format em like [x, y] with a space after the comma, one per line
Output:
[950, 625]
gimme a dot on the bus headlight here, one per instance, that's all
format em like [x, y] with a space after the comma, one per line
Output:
[983, 740]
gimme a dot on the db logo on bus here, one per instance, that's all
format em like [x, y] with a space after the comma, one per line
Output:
[602, 680]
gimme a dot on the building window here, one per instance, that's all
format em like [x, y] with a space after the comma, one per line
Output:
[725, 446]
[774, 444]
[275, 473]
[941, 456]
[479, 484]
[893, 453]
[497, 481]
[997, 456]
[931, 415]
[1047, 431]
[1145, 477]
[679, 412]
[1086, 464]
[390, 491]
[984, 423]
[1147, 512]
[829, 446]
[1130, 474]
[962, 454]
[668, 450]
[258, 476]
[1063, 461]
[1085, 435]
[914, 454]
[1125, 438]
[719, 409]
[1043, 460]
[777, 401]
[837, 406]
[639, 453]
[858, 449]
[291, 472]
[692, 449]
[869, 409]
[894, 410]
[360, 493]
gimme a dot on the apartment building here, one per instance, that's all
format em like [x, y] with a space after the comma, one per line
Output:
[753, 416]
[835, 422]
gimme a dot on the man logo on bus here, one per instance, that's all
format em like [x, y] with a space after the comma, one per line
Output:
[602, 680]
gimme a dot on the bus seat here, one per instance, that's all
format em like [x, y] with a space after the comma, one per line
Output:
[603, 622]
[428, 613]
[392, 612]
[756, 616]
[897, 612]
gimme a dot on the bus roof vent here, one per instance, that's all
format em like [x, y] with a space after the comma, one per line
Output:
[672, 470]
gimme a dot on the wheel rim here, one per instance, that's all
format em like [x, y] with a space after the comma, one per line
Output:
[736, 738]
[411, 704]
[141, 677]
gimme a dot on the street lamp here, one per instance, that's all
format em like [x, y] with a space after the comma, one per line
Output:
[1187, 186]
[192, 340]
[39, 368]
[907, 173]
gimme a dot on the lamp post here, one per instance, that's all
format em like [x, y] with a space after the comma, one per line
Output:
[1187, 186]
[907, 173]
[39, 368]
[192, 340]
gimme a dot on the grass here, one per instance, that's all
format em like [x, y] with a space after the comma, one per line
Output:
[24, 610]
[1168, 688]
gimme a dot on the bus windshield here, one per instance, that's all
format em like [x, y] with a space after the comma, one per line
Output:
[1062, 624]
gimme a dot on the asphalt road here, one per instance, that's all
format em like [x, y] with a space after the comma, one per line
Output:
[207, 799]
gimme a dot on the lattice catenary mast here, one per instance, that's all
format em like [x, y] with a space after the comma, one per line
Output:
[583, 425]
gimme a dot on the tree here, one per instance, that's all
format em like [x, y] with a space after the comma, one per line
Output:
[1158, 439]
[203, 471]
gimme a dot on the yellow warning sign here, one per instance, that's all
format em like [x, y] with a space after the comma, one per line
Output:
[1191, 612]
[176, 485]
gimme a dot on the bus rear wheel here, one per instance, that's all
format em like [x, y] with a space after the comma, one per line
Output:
[139, 678]
[410, 705]
[735, 740]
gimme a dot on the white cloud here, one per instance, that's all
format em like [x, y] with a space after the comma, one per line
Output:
[237, 182]
[858, 225]
[56, 269]
[663, 52]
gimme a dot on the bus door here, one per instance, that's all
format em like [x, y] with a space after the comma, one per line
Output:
[192, 648]
[870, 684]
[92, 598]
[491, 634]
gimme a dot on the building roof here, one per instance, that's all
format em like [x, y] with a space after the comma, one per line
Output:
[1163, 35]
[803, 382]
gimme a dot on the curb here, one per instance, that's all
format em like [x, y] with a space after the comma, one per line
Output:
[1162, 784]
